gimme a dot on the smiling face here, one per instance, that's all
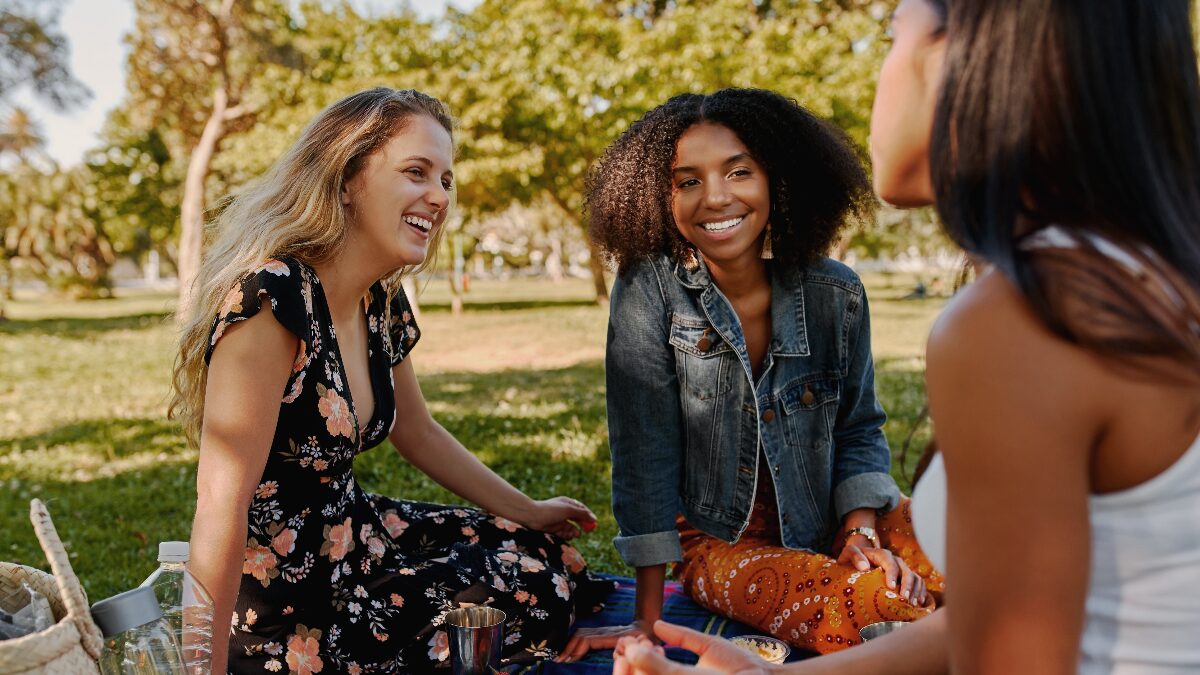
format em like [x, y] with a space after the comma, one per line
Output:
[720, 196]
[905, 100]
[401, 194]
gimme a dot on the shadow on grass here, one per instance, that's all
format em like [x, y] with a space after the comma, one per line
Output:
[542, 430]
[125, 437]
[82, 327]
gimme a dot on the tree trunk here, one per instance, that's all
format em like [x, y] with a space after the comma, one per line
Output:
[596, 262]
[191, 216]
[554, 266]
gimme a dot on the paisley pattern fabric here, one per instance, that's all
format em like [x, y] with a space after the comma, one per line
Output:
[806, 599]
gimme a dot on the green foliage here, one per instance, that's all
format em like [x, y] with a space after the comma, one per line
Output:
[519, 379]
[48, 228]
[136, 190]
[34, 52]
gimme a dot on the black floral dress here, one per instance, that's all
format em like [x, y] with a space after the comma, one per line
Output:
[339, 580]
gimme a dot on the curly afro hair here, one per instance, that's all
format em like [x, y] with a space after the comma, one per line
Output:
[816, 178]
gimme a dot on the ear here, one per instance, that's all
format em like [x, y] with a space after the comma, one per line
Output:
[344, 193]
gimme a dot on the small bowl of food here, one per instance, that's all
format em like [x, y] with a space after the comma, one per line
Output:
[768, 649]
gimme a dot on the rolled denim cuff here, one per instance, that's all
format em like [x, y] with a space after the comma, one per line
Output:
[644, 550]
[875, 490]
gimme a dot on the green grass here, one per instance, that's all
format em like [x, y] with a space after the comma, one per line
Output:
[518, 378]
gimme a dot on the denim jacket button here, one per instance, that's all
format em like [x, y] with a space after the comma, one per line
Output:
[807, 397]
[703, 344]
[769, 416]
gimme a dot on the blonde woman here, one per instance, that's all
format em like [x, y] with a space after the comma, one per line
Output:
[315, 573]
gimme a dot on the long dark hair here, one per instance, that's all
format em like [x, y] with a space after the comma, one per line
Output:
[1083, 115]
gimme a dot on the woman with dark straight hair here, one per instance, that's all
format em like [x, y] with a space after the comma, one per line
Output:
[1060, 143]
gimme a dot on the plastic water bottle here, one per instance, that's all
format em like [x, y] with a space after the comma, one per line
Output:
[137, 641]
[168, 582]
[186, 605]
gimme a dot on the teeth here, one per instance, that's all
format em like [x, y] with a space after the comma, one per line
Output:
[723, 225]
[423, 224]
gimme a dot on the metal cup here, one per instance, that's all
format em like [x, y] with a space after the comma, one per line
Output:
[874, 630]
[476, 634]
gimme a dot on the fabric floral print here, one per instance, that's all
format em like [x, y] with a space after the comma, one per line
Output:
[338, 580]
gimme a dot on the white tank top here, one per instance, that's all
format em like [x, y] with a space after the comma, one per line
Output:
[1143, 599]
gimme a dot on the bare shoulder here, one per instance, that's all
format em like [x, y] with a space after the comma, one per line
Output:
[989, 351]
[260, 341]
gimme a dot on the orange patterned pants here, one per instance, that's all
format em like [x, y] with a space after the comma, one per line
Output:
[804, 598]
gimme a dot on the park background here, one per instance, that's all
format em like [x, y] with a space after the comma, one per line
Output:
[513, 313]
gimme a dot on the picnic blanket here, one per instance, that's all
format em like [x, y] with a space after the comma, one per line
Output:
[677, 608]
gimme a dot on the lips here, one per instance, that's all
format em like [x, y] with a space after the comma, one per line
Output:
[424, 225]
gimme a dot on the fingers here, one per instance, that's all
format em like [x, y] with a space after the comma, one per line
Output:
[566, 530]
[884, 559]
[907, 581]
[693, 641]
[579, 646]
[858, 558]
[645, 659]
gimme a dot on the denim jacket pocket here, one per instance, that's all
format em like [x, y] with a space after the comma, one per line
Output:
[704, 361]
[808, 406]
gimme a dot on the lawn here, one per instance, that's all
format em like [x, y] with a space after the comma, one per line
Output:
[518, 378]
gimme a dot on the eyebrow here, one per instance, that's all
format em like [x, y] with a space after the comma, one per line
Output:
[427, 162]
[741, 156]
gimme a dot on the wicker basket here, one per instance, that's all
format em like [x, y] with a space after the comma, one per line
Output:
[72, 645]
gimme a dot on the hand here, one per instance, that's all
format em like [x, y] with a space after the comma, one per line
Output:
[559, 516]
[586, 639]
[638, 656]
[859, 553]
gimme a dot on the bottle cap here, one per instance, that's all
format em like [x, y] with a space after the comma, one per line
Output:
[126, 610]
[173, 551]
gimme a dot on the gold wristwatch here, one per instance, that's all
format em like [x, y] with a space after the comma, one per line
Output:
[868, 532]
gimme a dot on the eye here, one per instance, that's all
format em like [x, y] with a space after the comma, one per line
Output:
[415, 171]
[448, 186]
[687, 183]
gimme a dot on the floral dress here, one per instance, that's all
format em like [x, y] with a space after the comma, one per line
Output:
[336, 579]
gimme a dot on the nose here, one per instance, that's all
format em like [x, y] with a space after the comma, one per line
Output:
[717, 194]
[438, 197]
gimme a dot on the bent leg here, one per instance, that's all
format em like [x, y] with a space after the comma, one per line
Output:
[804, 598]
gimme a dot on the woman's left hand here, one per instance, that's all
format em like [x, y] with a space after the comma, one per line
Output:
[863, 556]
[561, 516]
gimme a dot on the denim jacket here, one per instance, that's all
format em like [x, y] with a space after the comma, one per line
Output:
[686, 420]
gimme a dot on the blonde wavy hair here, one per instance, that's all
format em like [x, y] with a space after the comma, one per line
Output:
[293, 210]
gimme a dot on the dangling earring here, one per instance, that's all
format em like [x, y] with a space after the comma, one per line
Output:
[767, 253]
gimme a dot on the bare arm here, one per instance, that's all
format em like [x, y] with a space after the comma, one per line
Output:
[423, 442]
[1017, 413]
[919, 649]
[246, 379]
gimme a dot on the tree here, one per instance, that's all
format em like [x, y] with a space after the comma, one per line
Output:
[33, 52]
[197, 70]
[49, 227]
[20, 134]
[534, 95]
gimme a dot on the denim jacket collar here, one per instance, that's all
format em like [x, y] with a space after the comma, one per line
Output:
[787, 318]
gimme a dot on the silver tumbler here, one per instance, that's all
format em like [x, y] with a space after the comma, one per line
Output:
[476, 634]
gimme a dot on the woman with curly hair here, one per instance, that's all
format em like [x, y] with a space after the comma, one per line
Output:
[743, 423]
[1060, 142]
[295, 360]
